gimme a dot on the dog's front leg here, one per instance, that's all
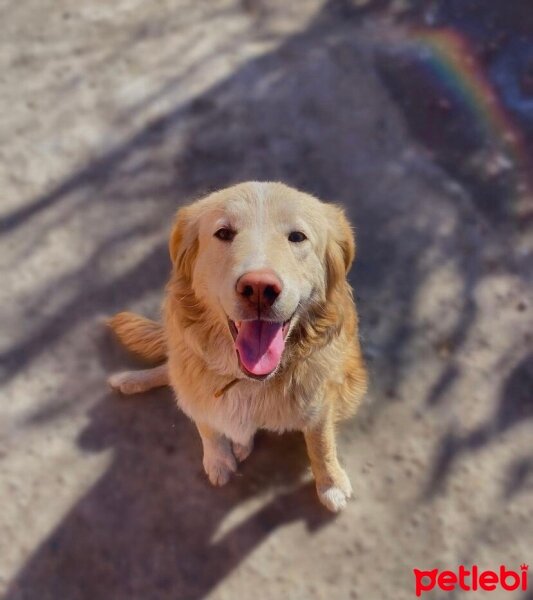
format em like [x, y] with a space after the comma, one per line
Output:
[242, 451]
[332, 483]
[219, 462]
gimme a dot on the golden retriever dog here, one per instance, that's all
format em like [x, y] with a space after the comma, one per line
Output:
[260, 328]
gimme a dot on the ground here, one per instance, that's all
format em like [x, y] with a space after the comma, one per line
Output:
[115, 114]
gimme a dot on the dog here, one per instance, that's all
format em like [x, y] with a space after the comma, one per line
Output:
[260, 329]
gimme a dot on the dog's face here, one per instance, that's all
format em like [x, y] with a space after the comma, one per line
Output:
[261, 255]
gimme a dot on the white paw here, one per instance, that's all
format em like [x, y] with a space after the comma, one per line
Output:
[125, 383]
[333, 498]
[242, 451]
[219, 467]
[336, 493]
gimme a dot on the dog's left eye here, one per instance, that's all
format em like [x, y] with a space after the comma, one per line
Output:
[225, 234]
[297, 237]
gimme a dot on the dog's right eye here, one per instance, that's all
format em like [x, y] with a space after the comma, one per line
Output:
[225, 234]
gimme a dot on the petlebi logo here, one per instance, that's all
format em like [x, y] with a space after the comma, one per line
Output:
[471, 579]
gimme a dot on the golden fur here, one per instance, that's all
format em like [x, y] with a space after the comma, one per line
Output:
[321, 377]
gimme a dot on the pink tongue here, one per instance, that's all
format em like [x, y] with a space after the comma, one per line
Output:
[260, 345]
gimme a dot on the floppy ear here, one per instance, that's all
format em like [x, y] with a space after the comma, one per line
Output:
[340, 253]
[183, 243]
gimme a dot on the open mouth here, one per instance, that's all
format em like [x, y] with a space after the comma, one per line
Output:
[259, 345]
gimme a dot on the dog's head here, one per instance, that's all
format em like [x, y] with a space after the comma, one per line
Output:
[266, 259]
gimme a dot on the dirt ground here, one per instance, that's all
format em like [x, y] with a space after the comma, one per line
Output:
[113, 115]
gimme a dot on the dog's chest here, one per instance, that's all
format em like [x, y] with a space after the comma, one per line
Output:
[244, 409]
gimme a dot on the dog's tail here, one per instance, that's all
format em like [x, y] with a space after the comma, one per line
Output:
[141, 336]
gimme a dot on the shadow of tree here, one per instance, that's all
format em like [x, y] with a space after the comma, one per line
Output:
[520, 477]
[515, 406]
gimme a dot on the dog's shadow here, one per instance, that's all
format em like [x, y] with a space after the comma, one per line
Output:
[152, 526]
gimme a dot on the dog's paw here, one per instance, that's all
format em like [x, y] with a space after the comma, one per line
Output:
[335, 493]
[124, 383]
[242, 451]
[333, 498]
[219, 468]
